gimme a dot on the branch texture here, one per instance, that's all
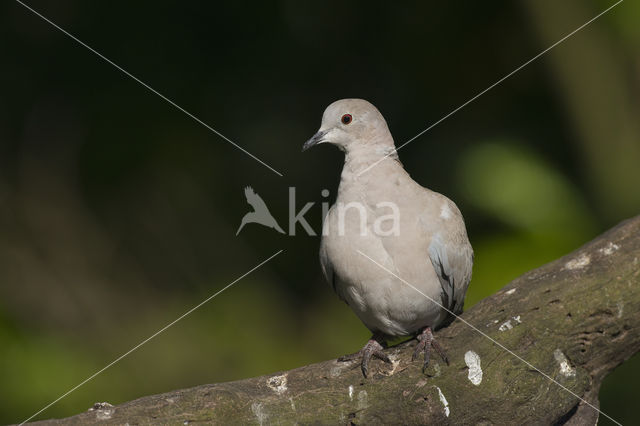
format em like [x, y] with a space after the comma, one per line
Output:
[574, 319]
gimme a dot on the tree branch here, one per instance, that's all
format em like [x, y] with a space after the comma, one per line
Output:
[573, 319]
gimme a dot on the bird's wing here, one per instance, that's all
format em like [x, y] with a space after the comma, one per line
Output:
[452, 258]
[327, 270]
[254, 200]
[325, 262]
[453, 264]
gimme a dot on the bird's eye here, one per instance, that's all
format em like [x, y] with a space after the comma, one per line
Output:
[346, 119]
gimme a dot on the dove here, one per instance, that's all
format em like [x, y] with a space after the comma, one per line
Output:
[260, 213]
[368, 266]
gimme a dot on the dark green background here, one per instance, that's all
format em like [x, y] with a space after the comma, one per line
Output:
[118, 212]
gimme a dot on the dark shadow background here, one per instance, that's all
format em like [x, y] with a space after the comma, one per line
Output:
[118, 212]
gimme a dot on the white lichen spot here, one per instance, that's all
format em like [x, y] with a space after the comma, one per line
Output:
[472, 360]
[363, 400]
[278, 384]
[506, 326]
[170, 400]
[104, 414]
[445, 211]
[104, 410]
[620, 307]
[351, 392]
[609, 249]
[579, 262]
[394, 365]
[492, 323]
[444, 402]
[258, 411]
[565, 368]
[510, 292]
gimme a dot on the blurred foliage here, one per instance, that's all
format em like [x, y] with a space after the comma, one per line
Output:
[118, 213]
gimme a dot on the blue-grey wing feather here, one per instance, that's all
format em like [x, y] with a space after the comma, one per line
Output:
[453, 262]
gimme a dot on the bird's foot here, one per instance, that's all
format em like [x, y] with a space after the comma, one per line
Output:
[373, 348]
[426, 341]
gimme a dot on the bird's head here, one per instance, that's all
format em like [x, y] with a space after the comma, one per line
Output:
[352, 124]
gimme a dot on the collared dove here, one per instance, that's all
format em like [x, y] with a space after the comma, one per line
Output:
[429, 249]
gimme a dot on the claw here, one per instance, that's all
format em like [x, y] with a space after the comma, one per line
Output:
[440, 350]
[425, 342]
[419, 349]
[350, 357]
[365, 364]
[373, 348]
[382, 356]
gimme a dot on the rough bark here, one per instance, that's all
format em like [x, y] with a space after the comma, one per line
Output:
[575, 319]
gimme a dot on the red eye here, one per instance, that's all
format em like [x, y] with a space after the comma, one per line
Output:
[346, 119]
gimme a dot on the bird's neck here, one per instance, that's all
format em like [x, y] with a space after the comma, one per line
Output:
[367, 165]
[359, 157]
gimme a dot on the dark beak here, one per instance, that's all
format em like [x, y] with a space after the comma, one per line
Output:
[315, 139]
